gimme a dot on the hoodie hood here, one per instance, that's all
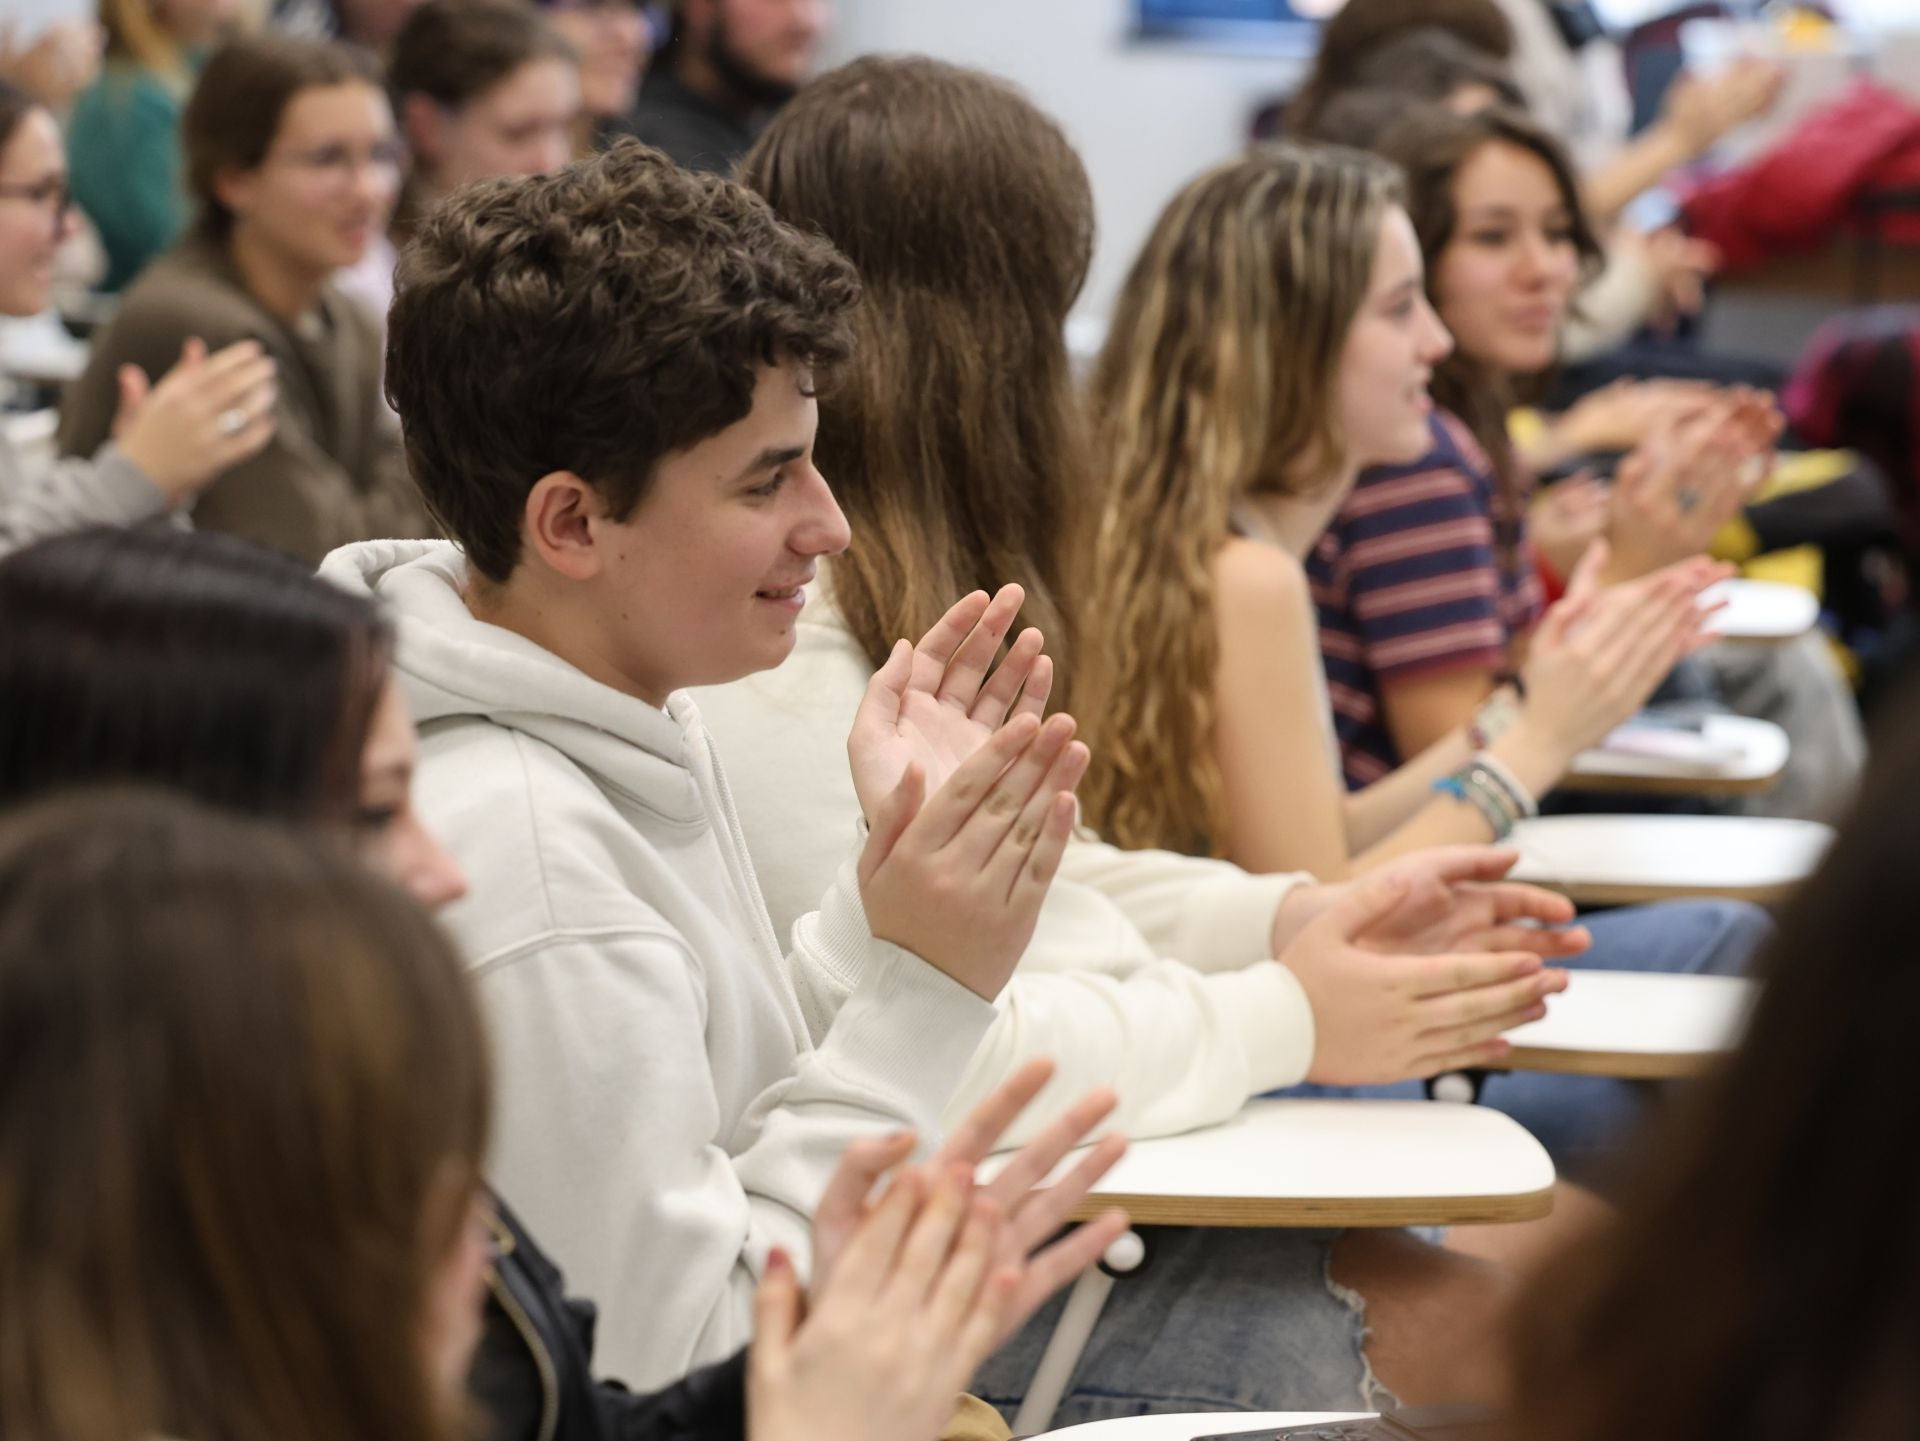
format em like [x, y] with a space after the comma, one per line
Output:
[456, 668]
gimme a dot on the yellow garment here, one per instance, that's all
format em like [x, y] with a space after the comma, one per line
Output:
[975, 1421]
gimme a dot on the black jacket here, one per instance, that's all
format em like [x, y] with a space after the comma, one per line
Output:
[533, 1377]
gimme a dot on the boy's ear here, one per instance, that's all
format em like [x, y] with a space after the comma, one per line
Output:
[557, 525]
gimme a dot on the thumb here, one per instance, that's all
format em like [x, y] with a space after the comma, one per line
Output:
[776, 1307]
[134, 387]
[887, 691]
[1584, 583]
[1367, 904]
[896, 813]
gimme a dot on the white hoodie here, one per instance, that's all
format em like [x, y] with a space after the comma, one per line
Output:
[663, 1116]
[1185, 1042]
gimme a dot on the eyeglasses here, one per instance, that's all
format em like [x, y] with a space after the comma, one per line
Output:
[339, 163]
[50, 194]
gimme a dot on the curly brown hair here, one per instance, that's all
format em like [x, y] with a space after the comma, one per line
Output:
[594, 321]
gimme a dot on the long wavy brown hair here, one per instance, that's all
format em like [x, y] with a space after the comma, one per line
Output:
[1216, 382]
[953, 438]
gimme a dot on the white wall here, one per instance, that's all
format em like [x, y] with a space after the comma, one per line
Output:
[1145, 118]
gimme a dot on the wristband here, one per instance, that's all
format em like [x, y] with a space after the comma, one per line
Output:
[1495, 718]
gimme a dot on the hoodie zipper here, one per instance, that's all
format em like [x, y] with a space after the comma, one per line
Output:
[542, 1359]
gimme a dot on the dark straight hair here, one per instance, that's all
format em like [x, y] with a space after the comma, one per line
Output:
[1764, 1280]
[243, 1110]
[15, 106]
[191, 660]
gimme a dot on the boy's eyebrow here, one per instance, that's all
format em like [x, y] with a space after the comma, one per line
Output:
[772, 458]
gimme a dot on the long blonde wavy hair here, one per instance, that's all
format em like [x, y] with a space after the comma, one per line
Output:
[1217, 381]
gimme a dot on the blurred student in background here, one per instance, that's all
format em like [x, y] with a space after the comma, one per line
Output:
[728, 66]
[481, 88]
[292, 158]
[123, 138]
[167, 439]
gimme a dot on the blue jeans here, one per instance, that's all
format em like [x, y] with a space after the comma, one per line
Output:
[1583, 1121]
[1217, 1319]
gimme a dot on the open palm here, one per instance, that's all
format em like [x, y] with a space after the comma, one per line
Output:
[934, 704]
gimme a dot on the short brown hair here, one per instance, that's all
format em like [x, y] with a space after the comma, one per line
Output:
[595, 320]
[235, 110]
[244, 1096]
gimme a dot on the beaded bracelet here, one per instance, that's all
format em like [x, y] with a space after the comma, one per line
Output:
[1522, 798]
[1498, 819]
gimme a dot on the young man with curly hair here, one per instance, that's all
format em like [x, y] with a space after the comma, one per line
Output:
[606, 381]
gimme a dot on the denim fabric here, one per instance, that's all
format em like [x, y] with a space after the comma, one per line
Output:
[1216, 1319]
[1583, 1121]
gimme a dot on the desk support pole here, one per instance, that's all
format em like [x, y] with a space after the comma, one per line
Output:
[1071, 1333]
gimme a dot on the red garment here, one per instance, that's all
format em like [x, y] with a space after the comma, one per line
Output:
[1805, 190]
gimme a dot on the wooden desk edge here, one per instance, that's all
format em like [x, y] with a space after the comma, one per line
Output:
[1322, 1211]
[1619, 1065]
[1583, 893]
[1670, 785]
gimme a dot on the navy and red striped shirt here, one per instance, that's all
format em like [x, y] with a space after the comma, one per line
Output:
[1425, 570]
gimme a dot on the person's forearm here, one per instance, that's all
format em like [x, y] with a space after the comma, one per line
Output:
[1633, 169]
[1535, 761]
[1374, 813]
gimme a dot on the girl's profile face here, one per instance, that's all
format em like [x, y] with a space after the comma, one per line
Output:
[34, 215]
[1505, 281]
[392, 837]
[1389, 355]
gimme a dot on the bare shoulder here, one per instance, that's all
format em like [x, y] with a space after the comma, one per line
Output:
[1257, 581]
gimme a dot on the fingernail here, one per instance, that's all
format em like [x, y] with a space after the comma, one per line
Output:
[778, 1260]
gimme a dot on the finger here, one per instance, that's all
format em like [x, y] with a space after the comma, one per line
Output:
[1454, 865]
[1014, 848]
[232, 384]
[980, 836]
[1485, 1003]
[1585, 582]
[1033, 1162]
[886, 693]
[1009, 678]
[1039, 686]
[937, 646]
[776, 1309]
[1059, 1263]
[133, 389]
[1550, 944]
[868, 1258]
[1044, 1211]
[957, 1287]
[861, 1166]
[898, 811]
[1487, 1055]
[967, 668]
[973, 1139]
[1515, 899]
[1462, 972]
[1364, 905]
[1478, 1033]
[923, 1253]
[1035, 878]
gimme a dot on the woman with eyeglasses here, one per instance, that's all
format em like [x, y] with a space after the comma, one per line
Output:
[161, 443]
[292, 159]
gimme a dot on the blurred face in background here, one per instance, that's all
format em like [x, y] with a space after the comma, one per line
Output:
[1505, 281]
[522, 126]
[763, 49]
[615, 43]
[373, 23]
[34, 214]
[326, 187]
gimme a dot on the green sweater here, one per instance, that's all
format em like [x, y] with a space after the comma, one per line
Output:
[123, 147]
